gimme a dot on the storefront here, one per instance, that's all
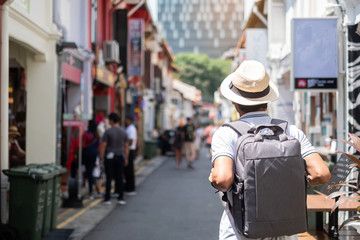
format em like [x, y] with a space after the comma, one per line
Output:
[104, 92]
[17, 114]
[73, 117]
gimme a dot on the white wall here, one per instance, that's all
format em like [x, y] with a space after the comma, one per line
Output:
[41, 109]
[30, 26]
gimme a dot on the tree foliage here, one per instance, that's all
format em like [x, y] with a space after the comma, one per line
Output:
[202, 72]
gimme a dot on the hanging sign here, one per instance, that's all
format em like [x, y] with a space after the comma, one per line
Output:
[136, 47]
[314, 53]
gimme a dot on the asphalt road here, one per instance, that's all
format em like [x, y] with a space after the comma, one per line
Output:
[170, 204]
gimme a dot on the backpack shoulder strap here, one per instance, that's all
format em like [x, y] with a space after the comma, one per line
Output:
[240, 127]
[281, 123]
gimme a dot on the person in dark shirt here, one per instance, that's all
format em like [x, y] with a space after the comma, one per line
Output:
[114, 153]
[178, 146]
[189, 145]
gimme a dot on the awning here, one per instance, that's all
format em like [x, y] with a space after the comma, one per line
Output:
[71, 67]
[188, 91]
[104, 76]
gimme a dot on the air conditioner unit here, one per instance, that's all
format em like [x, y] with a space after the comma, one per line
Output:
[132, 1]
[111, 51]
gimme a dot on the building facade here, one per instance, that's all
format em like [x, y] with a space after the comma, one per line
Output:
[206, 26]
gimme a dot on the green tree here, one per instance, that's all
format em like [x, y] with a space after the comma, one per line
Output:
[202, 72]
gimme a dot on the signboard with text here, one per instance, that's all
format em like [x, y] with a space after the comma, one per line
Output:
[314, 53]
[339, 174]
[136, 47]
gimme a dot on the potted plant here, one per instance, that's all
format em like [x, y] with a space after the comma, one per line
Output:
[353, 192]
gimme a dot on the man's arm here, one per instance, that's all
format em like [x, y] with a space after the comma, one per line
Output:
[102, 151]
[222, 175]
[126, 148]
[318, 171]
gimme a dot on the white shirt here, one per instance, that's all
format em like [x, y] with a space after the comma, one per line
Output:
[224, 144]
[132, 135]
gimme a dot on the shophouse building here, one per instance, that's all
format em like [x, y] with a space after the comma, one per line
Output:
[316, 109]
[323, 112]
[28, 83]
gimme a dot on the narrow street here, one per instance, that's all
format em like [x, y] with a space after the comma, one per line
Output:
[170, 204]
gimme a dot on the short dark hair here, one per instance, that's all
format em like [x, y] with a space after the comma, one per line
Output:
[92, 126]
[129, 118]
[252, 108]
[114, 117]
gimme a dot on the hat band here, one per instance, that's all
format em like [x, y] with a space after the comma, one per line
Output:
[249, 94]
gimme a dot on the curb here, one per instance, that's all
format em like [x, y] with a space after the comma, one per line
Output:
[88, 217]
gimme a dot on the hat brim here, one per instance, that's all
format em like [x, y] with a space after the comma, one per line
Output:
[225, 90]
[14, 133]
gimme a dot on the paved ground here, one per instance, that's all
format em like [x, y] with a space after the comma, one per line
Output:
[170, 204]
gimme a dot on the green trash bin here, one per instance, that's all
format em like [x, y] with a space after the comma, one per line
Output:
[150, 149]
[57, 171]
[48, 204]
[28, 186]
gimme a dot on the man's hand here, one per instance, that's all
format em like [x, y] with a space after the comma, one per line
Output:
[318, 171]
[211, 176]
[222, 175]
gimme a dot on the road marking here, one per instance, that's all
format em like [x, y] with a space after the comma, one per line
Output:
[138, 171]
[306, 236]
[78, 214]
[94, 203]
[60, 215]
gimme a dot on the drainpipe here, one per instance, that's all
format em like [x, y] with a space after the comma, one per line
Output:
[57, 21]
[4, 102]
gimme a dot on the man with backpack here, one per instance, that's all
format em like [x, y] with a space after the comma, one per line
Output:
[261, 164]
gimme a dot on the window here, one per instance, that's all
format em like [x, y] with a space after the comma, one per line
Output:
[216, 42]
[175, 34]
[222, 33]
[181, 43]
[210, 34]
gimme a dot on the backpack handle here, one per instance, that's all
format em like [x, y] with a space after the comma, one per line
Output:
[273, 130]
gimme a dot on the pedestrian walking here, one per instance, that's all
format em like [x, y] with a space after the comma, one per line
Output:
[90, 153]
[178, 146]
[129, 169]
[189, 132]
[114, 154]
[250, 90]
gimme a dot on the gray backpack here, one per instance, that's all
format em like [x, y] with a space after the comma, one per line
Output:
[268, 197]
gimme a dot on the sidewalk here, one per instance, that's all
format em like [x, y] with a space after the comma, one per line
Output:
[82, 220]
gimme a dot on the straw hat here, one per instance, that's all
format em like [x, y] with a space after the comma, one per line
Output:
[249, 85]
[13, 130]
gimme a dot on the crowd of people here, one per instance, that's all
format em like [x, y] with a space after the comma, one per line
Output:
[188, 140]
[109, 151]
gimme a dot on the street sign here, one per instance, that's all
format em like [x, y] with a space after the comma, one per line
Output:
[314, 54]
[339, 174]
[74, 117]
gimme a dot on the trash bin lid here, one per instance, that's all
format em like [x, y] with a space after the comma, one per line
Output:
[33, 171]
[55, 168]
